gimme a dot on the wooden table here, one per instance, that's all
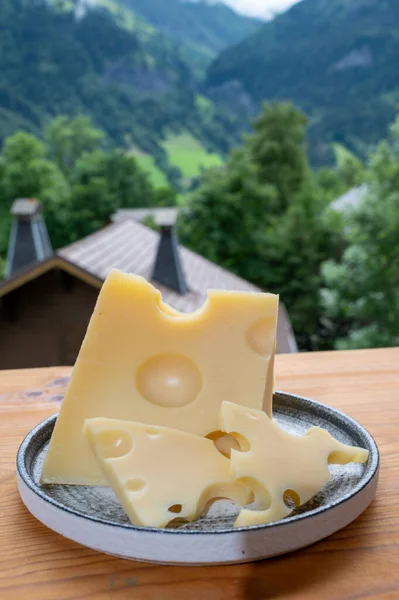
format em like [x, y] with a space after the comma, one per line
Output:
[361, 561]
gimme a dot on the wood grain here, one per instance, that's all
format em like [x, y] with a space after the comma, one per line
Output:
[359, 562]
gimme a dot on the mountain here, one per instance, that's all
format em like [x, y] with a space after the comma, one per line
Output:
[104, 61]
[202, 28]
[336, 59]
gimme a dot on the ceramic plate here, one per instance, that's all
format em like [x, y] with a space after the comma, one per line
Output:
[92, 516]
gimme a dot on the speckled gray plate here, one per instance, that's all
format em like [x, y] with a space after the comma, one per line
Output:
[92, 516]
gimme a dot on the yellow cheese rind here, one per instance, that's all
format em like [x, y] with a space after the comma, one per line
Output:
[143, 361]
[154, 469]
[277, 463]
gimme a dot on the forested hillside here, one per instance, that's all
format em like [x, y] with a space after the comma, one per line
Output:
[335, 59]
[133, 81]
[203, 29]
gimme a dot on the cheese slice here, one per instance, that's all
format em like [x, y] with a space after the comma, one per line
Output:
[143, 361]
[279, 466]
[160, 474]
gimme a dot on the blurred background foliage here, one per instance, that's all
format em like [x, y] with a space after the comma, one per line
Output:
[116, 108]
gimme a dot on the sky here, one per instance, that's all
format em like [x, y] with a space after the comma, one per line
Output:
[260, 8]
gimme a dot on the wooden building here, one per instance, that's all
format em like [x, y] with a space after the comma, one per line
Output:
[47, 297]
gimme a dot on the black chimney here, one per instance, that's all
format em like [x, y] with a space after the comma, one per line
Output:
[29, 240]
[168, 269]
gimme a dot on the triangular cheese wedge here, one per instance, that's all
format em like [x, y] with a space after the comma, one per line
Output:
[143, 361]
[278, 465]
[159, 474]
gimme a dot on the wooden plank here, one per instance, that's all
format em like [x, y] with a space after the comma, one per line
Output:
[361, 561]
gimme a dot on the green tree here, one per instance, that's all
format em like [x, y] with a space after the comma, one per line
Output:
[295, 245]
[80, 191]
[348, 172]
[26, 172]
[127, 181]
[165, 196]
[350, 169]
[361, 295]
[277, 146]
[330, 183]
[223, 218]
[5, 222]
[68, 138]
[263, 216]
[103, 182]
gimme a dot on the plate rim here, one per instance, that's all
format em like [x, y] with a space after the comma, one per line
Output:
[374, 464]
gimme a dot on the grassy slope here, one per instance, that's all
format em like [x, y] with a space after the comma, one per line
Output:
[147, 163]
[188, 154]
[70, 66]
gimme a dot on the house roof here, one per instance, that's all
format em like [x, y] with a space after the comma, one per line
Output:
[161, 215]
[131, 247]
[40, 267]
[351, 199]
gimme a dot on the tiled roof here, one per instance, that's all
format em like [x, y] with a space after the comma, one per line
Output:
[161, 216]
[351, 199]
[131, 247]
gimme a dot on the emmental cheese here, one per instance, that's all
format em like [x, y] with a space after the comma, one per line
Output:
[279, 466]
[160, 474]
[143, 361]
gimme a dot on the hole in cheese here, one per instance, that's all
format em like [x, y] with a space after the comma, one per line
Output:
[175, 508]
[224, 442]
[135, 485]
[261, 336]
[169, 380]
[114, 444]
[291, 499]
[245, 446]
[261, 494]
